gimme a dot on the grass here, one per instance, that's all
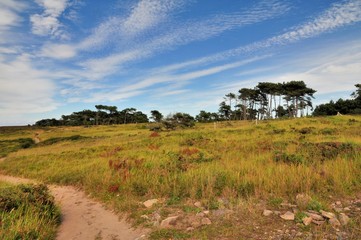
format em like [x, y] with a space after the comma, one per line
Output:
[27, 212]
[275, 159]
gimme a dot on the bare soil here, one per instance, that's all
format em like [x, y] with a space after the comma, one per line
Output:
[84, 218]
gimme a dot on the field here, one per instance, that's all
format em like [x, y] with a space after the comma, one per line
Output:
[234, 170]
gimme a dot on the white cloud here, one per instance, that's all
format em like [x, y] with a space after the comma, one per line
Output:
[9, 13]
[326, 71]
[195, 30]
[58, 51]
[145, 15]
[48, 22]
[339, 15]
[24, 89]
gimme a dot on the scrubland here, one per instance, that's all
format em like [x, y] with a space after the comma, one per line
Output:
[242, 166]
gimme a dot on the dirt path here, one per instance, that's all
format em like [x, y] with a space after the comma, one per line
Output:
[83, 218]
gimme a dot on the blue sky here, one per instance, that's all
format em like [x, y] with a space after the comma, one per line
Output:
[61, 56]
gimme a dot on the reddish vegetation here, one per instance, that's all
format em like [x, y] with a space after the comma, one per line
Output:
[122, 167]
[189, 151]
[153, 147]
[154, 134]
[111, 152]
[113, 188]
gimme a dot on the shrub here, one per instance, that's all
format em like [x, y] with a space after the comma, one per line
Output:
[288, 158]
[8, 146]
[28, 212]
[52, 141]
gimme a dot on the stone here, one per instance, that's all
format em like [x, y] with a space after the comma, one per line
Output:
[206, 212]
[318, 222]
[267, 213]
[150, 203]
[344, 219]
[190, 229]
[288, 205]
[144, 217]
[307, 220]
[143, 237]
[289, 216]
[169, 222]
[337, 209]
[315, 216]
[346, 209]
[198, 204]
[328, 215]
[200, 214]
[338, 203]
[334, 222]
[206, 221]
[302, 200]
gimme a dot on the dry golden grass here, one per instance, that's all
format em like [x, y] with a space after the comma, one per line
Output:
[125, 164]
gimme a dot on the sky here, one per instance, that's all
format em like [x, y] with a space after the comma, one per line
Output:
[61, 56]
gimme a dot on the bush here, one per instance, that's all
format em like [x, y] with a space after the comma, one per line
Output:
[8, 146]
[28, 212]
[182, 120]
[52, 141]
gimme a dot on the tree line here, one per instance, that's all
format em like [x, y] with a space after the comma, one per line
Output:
[348, 106]
[267, 100]
[104, 115]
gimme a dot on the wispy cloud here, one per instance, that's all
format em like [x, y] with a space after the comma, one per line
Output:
[339, 15]
[9, 13]
[24, 89]
[143, 16]
[188, 32]
[47, 23]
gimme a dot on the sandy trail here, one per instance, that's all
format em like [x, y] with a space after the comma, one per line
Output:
[83, 218]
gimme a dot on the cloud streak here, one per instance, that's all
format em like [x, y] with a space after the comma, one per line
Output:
[47, 23]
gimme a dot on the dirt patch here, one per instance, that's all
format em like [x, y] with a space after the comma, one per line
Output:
[83, 218]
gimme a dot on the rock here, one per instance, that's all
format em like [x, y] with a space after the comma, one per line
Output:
[190, 229]
[334, 222]
[303, 200]
[169, 222]
[200, 214]
[337, 209]
[267, 213]
[328, 215]
[288, 205]
[141, 237]
[338, 203]
[307, 220]
[206, 221]
[344, 219]
[150, 203]
[318, 222]
[346, 209]
[198, 204]
[315, 216]
[206, 212]
[221, 212]
[289, 216]
[144, 217]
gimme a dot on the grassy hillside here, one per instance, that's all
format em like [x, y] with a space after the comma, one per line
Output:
[236, 161]
[27, 212]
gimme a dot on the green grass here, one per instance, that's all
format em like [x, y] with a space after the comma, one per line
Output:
[27, 212]
[276, 159]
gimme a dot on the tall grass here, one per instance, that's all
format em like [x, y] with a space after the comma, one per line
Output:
[235, 160]
[27, 212]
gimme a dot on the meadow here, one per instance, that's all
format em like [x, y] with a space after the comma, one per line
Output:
[226, 165]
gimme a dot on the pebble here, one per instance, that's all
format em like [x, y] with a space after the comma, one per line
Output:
[267, 213]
